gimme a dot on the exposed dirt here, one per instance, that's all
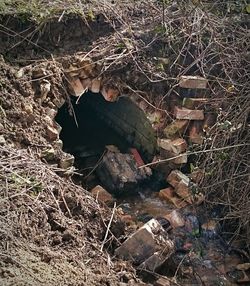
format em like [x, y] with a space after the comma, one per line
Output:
[51, 229]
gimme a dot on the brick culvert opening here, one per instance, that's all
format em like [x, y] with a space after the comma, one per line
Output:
[93, 129]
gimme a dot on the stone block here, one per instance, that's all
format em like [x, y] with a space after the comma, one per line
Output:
[175, 177]
[87, 83]
[102, 195]
[28, 108]
[243, 266]
[45, 87]
[1, 128]
[176, 128]
[196, 133]
[143, 243]
[194, 103]
[189, 114]
[195, 82]
[38, 72]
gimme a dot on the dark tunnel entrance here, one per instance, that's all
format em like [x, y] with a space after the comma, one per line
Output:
[91, 123]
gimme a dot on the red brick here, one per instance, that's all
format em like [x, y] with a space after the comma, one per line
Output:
[181, 159]
[137, 157]
[102, 195]
[77, 87]
[196, 133]
[95, 85]
[196, 82]
[175, 177]
[197, 175]
[176, 146]
[184, 192]
[189, 114]
[166, 194]
[169, 196]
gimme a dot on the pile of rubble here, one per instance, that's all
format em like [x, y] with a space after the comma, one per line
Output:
[189, 127]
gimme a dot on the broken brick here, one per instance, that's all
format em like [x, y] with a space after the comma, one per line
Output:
[189, 114]
[196, 133]
[183, 190]
[175, 177]
[181, 159]
[195, 82]
[137, 157]
[110, 94]
[197, 175]
[95, 85]
[169, 196]
[143, 243]
[176, 128]
[102, 195]
[176, 146]
[166, 194]
[77, 87]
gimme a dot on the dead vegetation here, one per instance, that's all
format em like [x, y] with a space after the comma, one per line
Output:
[63, 224]
[149, 45]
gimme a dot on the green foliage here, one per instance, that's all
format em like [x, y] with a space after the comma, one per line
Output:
[39, 11]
